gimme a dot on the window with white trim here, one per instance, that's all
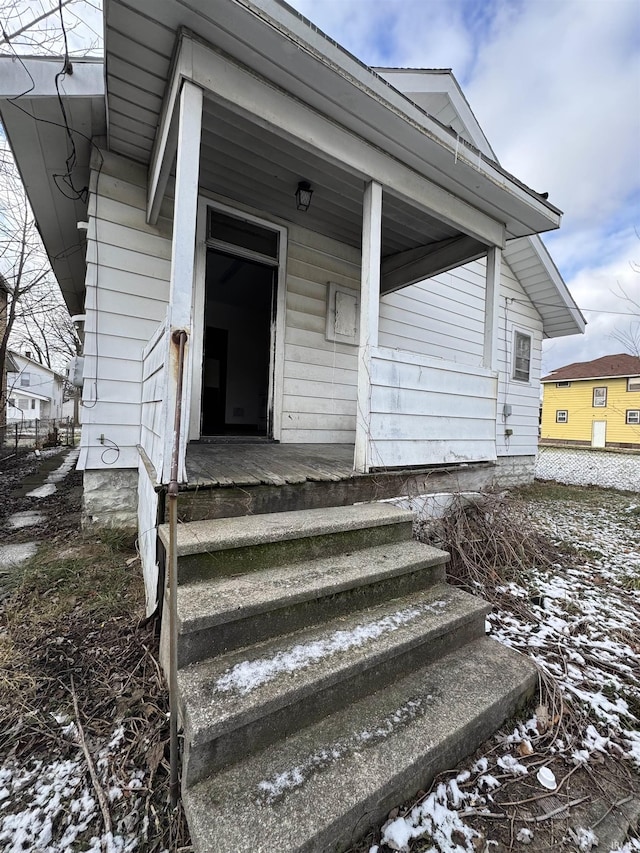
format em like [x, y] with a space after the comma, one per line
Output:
[521, 356]
[600, 397]
[633, 383]
[25, 380]
[633, 416]
[563, 385]
[562, 416]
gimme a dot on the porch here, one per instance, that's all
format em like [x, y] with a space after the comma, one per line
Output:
[234, 479]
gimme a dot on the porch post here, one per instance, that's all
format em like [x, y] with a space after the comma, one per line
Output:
[185, 209]
[492, 303]
[369, 318]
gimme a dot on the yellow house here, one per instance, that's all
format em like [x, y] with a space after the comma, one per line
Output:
[593, 403]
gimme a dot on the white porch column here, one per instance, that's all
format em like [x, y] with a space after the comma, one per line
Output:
[492, 303]
[185, 209]
[369, 317]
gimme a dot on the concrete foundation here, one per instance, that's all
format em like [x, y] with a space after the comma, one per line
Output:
[514, 470]
[110, 498]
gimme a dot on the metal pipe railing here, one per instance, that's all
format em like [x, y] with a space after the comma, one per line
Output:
[179, 339]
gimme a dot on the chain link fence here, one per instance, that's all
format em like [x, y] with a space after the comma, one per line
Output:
[22, 436]
[584, 467]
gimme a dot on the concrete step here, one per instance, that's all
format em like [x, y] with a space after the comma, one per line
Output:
[320, 789]
[232, 545]
[225, 613]
[245, 700]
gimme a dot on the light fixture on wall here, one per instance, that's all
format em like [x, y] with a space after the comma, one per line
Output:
[303, 195]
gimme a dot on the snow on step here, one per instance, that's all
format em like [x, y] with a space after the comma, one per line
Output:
[198, 537]
[251, 696]
[225, 599]
[316, 789]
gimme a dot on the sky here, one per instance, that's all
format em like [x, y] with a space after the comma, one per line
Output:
[555, 85]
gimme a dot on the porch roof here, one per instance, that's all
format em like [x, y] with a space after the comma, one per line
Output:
[273, 41]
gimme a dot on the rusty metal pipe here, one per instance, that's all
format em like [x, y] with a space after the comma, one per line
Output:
[179, 339]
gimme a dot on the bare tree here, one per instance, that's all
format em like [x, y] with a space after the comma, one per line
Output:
[629, 336]
[29, 28]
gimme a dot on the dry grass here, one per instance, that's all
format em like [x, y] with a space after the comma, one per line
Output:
[74, 643]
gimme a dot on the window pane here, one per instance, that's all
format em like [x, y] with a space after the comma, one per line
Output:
[562, 416]
[633, 416]
[247, 235]
[599, 397]
[633, 384]
[522, 359]
[25, 380]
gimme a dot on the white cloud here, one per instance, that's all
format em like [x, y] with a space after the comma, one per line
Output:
[556, 88]
[599, 292]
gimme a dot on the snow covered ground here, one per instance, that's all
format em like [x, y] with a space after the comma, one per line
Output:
[589, 467]
[581, 625]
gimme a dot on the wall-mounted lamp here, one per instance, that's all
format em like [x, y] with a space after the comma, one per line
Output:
[303, 195]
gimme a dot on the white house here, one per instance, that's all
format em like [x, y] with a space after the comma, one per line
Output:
[323, 263]
[34, 391]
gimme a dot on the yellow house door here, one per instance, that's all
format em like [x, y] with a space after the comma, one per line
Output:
[599, 434]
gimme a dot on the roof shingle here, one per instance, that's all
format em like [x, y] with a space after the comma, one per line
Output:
[621, 364]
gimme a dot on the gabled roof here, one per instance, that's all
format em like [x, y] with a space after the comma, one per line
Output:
[19, 391]
[437, 92]
[616, 366]
[26, 361]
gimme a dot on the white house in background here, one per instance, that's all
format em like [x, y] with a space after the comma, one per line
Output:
[401, 313]
[34, 391]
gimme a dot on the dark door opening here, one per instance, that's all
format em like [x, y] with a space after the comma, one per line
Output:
[236, 370]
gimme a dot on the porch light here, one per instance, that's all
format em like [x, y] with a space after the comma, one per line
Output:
[303, 195]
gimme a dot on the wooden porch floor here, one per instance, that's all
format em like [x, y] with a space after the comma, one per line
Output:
[255, 464]
[245, 478]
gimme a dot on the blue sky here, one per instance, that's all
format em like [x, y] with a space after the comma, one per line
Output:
[555, 85]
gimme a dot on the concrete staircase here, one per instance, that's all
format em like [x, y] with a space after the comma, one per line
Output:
[327, 672]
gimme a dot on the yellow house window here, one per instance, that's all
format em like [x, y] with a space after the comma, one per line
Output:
[633, 416]
[599, 398]
[562, 416]
[633, 383]
[563, 385]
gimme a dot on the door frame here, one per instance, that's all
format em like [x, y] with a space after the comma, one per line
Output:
[276, 370]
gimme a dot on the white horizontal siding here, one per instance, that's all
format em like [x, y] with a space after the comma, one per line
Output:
[128, 268]
[320, 376]
[517, 313]
[442, 317]
[426, 410]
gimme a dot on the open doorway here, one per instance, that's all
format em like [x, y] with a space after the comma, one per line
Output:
[240, 301]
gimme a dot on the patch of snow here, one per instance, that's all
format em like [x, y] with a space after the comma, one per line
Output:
[250, 674]
[512, 765]
[524, 836]
[44, 491]
[272, 789]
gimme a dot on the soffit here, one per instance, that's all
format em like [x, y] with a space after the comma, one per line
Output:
[38, 139]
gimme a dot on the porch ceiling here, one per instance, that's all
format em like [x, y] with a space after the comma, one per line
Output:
[253, 165]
